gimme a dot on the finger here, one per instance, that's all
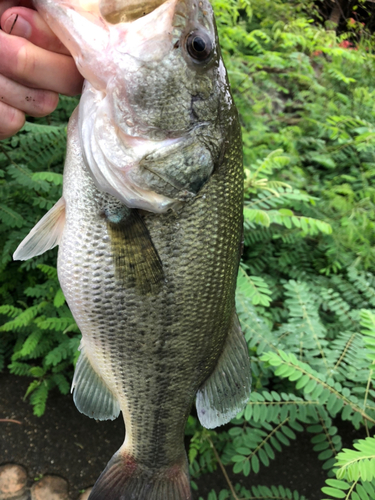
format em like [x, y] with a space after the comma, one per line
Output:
[31, 101]
[7, 4]
[12, 120]
[35, 67]
[28, 24]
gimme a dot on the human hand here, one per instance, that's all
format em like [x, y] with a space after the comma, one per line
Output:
[34, 67]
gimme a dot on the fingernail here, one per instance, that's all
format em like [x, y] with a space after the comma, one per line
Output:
[17, 26]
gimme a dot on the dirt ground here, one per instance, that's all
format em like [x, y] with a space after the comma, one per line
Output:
[66, 443]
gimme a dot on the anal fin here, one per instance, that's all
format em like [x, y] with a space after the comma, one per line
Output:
[45, 235]
[228, 388]
[91, 395]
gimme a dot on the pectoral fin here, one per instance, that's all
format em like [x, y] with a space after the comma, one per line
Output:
[45, 235]
[227, 390]
[136, 260]
[91, 395]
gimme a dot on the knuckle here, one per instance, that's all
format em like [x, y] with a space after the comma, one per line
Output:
[12, 54]
[12, 121]
[44, 102]
[25, 61]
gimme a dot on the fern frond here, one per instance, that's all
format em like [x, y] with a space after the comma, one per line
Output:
[259, 492]
[368, 322]
[332, 394]
[354, 465]
[18, 368]
[10, 217]
[304, 334]
[30, 343]
[38, 398]
[24, 318]
[255, 327]
[254, 288]
[326, 441]
[273, 407]
[63, 351]
[364, 282]
[350, 366]
[54, 177]
[62, 383]
[49, 271]
[357, 490]
[56, 324]
[9, 310]
[256, 445]
[274, 161]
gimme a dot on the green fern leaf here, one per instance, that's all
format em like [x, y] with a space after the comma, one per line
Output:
[10, 217]
[254, 287]
[39, 398]
[360, 464]
[54, 177]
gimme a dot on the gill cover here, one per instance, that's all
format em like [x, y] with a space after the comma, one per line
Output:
[119, 125]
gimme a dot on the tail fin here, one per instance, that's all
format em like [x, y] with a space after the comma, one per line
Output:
[125, 479]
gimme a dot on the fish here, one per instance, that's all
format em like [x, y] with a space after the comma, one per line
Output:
[115, 11]
[149, 228]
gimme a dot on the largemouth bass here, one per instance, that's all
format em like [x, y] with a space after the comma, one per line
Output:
[149, 231]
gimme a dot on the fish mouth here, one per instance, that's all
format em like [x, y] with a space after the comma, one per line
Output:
[120, 11]
[149, 29]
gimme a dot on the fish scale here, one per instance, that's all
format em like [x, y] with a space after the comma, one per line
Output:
[149, 229]
[198, 256]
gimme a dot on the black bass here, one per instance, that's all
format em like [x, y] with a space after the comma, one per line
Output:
[149, 231]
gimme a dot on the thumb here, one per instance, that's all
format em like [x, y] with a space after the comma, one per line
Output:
[27, 23]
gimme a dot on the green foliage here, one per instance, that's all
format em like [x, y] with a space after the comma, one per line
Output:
[306, 286]
[305, 290]
[47, 340]
[356, 491]
[355, 469]
[39, 337]
[258, 493]
[354, 465]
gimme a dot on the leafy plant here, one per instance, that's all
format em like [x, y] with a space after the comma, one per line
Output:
[306, 286]
[38, 334]
[356, 472]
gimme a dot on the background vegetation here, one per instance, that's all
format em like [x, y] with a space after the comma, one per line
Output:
[302, 75]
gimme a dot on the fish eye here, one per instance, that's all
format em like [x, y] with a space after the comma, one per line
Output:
[199, 46]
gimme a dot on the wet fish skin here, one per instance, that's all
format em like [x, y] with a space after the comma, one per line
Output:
[153, 293]
[165, 344]
[149, 97]
[115, 11]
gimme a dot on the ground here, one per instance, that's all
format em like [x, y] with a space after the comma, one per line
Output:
[66, 443]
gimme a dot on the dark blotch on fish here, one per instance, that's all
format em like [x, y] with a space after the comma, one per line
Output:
[136, 260]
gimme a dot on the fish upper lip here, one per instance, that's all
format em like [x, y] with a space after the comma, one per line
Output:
[122, 14]
[119, 14]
